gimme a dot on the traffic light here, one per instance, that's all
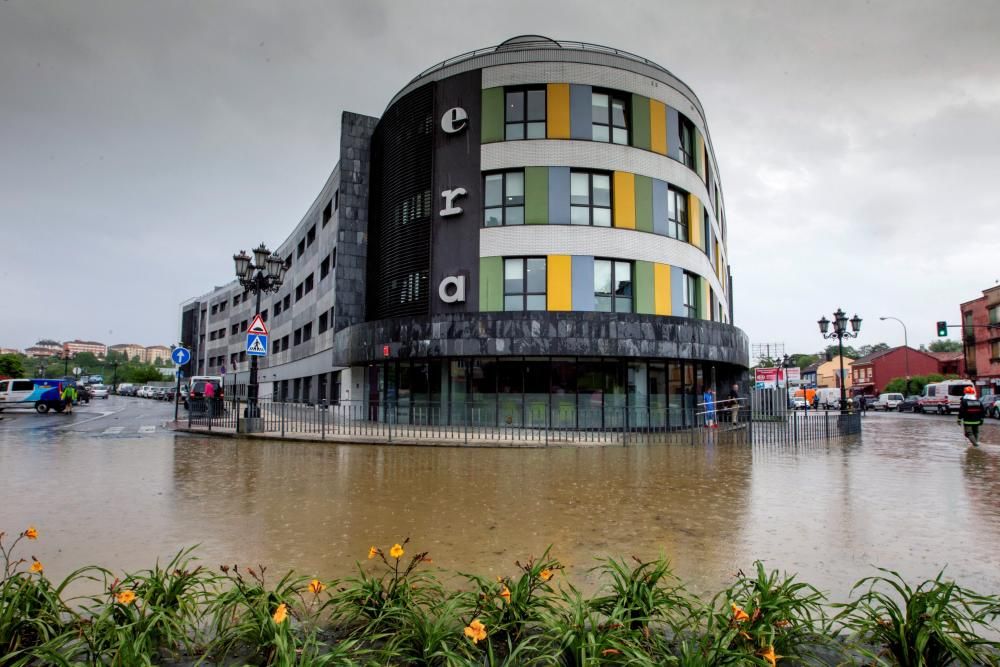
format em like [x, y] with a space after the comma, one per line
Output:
[943, 329]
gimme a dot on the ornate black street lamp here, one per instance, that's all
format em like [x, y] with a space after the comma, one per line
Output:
[264, 274]
[840, 332]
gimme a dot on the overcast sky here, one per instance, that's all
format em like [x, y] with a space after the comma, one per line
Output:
[142, 143]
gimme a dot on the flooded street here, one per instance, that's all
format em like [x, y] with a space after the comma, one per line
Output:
[908, 495]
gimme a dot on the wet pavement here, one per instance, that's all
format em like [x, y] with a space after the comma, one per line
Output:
[109, 485]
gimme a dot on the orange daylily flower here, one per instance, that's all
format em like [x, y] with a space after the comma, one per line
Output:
[126, 597]
[770, 656]
[545, 574]
[316, 586]
[475, 631]
[372, 552]
[738, 614]
[281, 613]
[396, 551]
[36, 566]
[610, 651]
[31, 533]
[505, 593]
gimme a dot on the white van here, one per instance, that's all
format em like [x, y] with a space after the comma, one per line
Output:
[888, 401]
[828, 398]
[943, 397]
[42, 395]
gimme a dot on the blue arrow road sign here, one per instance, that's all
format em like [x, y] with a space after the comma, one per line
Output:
[181, 355]
[256, 345]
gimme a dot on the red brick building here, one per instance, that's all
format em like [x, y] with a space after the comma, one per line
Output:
[982, 342]
[952, 363]
[873, 372]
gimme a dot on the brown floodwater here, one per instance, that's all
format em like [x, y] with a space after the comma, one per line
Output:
[908, 495]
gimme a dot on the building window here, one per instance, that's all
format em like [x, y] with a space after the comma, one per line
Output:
[243, 356]
[286, 303]
[215, 309]
[333, 259]
[994, 314]
[691, 295]
[307, 332]
[323, 323]
[504, 200]
[288, 262]
[324, 267]
[336, 200]
[995, 351]
[590, 199]
[677, 214]
[284, 342]
[298, 292]
[263, 315]
[612, 286]
[525, 114]
[233, 330]
[706, 224]
[243, 325]
[311, 236]
[297, 337]
[608, 114]
[302, 248]
[236, 300]
[327, 212]
[524, 283]
[308, 284]
[686, 140]
[277, 307]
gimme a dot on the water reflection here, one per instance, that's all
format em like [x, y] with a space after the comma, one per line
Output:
[908, 495]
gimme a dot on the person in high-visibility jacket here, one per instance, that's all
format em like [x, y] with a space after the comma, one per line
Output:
[970, 415]
[69, 396]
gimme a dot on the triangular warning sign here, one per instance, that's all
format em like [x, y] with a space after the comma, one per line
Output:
[257, 326]
[256, 346]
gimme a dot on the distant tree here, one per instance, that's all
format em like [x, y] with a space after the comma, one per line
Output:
[140, 374]
[832, 351]
[135, 359]
[865, 350]
[116, 356]
[86, 360]
[11, 366]
[916, 384]
[48, 341]
[946, 345]
[803, 360]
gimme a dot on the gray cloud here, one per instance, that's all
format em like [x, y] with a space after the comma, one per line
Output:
[145, 142]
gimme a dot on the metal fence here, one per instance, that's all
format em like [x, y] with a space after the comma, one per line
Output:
[472, 423]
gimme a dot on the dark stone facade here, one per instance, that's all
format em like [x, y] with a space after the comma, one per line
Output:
[542, 333]
[352, 245]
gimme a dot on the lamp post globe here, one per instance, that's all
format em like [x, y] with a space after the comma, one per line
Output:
[242, 261]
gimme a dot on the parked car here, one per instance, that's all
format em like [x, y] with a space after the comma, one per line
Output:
[99, 391]
[169, 393]
[83, 393]
[125, 388]
[909, 404]
[196, 390]
[159, 393]
[991, 405]
[143, 391]
[888, 401]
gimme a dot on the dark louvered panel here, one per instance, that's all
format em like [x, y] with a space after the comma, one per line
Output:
[400, 214]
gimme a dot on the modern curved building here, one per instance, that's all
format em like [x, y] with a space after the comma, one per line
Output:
[532, 233]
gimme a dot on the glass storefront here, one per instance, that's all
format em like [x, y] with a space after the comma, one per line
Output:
[557, 392]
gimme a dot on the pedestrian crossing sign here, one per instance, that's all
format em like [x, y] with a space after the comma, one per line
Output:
[256, 345]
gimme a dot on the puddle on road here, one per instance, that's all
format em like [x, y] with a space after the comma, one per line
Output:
[908, 495]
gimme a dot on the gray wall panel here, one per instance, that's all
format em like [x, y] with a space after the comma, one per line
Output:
[659, 206]
[559, 195]
[676, 291]
[579, 112]
[583, 283]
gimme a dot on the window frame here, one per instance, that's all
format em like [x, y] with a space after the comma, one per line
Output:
[690, 289]
[590, 206]
[524, 282]
[612, 96]
[503, 198]
[613, 295]
[675, 196]
[525, 121]
[685, 130]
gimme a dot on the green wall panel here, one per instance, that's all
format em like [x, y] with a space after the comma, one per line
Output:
[640, 122]
[644, 203]
[644, 302]
[492, 115]
[536, 195]
[490, 283]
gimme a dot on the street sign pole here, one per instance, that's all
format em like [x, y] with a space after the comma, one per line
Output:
[180, 356]
[177, 394]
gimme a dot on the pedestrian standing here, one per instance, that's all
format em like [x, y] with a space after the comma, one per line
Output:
[210, 397]
[708, 399]
[68, 396]
[970, 415]
[862, 404]
[734, 403]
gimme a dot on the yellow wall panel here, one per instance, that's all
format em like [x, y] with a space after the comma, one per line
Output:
[694, 222]
[559, 282]
[557, 111]
[661, 289]
[624, 200]
[658, 126]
